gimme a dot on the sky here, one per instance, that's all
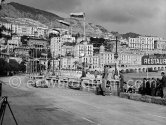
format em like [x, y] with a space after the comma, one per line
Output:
[146, 17]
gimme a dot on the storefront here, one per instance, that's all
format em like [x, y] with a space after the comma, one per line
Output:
[158, 59]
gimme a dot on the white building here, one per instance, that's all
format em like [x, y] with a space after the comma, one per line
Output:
[68, 63]
[25, 26]
[92, 62]
[56, 46]
[68, 38]
[144, 43]
[67, 50]
[106, 58]
[57, 43]
[129, 59]
[14, 42]
[83, 49]
[124, 58]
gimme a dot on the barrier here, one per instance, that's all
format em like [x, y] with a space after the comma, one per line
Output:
[84, 84]
[63, 82]
[90, 84]
[115, 87]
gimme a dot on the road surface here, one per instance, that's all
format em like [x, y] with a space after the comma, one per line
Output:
[58, 106]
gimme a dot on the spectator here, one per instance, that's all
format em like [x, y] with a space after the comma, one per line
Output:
[163, 81]
[125, 87]
[130, 89]
[121, 81]
[104, 80]
[143, 87]
[153, 87]
[147, 88]
[83, 73]
[158, 90]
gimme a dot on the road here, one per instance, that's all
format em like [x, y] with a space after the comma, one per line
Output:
[58, 106]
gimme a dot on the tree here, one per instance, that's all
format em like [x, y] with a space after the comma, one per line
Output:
[4, 66]
[51, 35]
[14, 65]
[5, 33]
[22, 66]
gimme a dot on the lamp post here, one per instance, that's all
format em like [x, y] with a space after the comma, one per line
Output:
[53, 65]
[83, 65]
[116, 57]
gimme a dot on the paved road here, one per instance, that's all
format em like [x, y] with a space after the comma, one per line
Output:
[50, 106]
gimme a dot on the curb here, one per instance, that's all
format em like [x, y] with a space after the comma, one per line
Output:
[145, 98]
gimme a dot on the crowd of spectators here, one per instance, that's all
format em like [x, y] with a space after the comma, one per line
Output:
[149, 86]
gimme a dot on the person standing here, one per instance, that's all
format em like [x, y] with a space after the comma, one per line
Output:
[104, 80]
[83, 72]
[153, 86]
[121, 81]
[163, 81]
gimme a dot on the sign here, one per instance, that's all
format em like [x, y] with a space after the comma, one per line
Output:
[157, 59]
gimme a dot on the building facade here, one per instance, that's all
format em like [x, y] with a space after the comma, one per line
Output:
[37, 43]
[25, 26]
[144, 43]
[83, 49]
[125, 58]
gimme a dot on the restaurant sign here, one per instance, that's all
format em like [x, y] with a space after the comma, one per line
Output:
[158, 59]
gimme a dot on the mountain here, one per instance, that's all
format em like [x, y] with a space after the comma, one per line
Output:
[16, 10]
[130, 34]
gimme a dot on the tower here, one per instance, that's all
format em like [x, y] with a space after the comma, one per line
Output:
[102, 49]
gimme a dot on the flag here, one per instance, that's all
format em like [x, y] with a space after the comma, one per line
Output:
[77, 15]
[64, 22]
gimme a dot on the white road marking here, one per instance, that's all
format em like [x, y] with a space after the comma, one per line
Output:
[88, 120]
[157, 116]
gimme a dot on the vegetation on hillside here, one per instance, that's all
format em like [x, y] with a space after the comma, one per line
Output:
[130, 34]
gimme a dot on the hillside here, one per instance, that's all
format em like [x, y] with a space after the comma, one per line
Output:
[16, 10]
[130, 34]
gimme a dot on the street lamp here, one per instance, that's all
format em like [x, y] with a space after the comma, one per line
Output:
[53, 65]
[83, 66]
[116, 57]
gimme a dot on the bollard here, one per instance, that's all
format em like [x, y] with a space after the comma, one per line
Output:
[115, 87]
